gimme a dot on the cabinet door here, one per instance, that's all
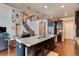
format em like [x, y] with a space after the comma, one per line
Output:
[2, 44]
[6, 43]
[38, 52]
[52, 43]
[5, 40]
[46, 48]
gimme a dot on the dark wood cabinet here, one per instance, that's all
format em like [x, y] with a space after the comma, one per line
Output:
[55, 28]
[59, 37]
[41, 49]
[77, 23]
[38, 52]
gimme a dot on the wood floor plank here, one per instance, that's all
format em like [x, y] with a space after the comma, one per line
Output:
[66, 48]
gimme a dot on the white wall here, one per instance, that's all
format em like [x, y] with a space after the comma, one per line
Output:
[5, 18]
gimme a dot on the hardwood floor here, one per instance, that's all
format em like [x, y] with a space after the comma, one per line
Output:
[10, 52]
[66, 48]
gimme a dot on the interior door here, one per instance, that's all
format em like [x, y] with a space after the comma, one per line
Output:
[42, 28]
[69, 29]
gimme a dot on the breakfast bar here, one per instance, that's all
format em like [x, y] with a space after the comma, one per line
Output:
[35, 45]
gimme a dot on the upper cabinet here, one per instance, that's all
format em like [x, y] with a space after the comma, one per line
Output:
[51, 26]
[54, 26]
[59, 25]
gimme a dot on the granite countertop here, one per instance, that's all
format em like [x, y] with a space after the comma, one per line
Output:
[30, 41]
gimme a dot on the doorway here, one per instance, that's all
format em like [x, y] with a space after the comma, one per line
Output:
[69, 30]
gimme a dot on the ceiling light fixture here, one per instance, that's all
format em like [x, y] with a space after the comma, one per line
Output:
[45, 6]
[62, 6]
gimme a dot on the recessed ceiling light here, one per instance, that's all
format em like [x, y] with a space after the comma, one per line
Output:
[62, 6]
[45, 6]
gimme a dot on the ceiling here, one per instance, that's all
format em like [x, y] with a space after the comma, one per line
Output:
[53, 10]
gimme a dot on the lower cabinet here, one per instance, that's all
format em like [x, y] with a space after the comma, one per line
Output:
[38, 52]
[46, 48]
[3, 42]
[49, 45]
[59, 37]
[43, 48]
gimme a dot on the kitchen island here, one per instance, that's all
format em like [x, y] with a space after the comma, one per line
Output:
[35, 45]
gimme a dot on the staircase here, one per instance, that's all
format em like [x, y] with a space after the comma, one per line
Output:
[31, 32]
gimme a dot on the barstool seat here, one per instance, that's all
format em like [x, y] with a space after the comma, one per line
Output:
[52, 54]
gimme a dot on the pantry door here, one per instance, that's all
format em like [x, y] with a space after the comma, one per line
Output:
[69, 29]
[42, 28]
